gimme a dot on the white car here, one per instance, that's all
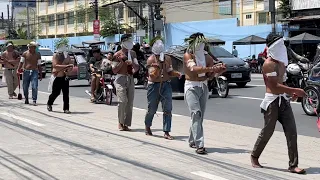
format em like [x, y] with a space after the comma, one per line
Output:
[46, 56]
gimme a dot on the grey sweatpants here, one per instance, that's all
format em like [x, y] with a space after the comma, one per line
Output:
[125, 92]
[196, 99]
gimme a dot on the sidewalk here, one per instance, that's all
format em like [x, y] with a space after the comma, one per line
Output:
[36, 144]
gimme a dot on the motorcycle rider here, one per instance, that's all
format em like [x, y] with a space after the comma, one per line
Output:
[159, 87]
[95, 61]
[292, 56]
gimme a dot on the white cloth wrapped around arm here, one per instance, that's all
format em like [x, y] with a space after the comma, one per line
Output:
[190, 64]
[22, 59]
[114, 64]
[170, 69]
[39, 61]
[135, 61]
[272, 74]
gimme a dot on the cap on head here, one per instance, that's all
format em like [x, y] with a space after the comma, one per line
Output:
[271, 38]
[9, 44]
[33, 44]
[125, 37]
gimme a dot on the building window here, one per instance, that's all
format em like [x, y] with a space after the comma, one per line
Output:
[225, 7]
[262, 18]
[60, 18]
[69, 0]
[60, 1]
[120, 10]
[51, 2]
[51, 20]
[131, 13]
[70, 17]
[248, 16]
[81, 17]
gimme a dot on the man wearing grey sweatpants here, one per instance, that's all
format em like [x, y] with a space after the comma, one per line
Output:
[198, 67]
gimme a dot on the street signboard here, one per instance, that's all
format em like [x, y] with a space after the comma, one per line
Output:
[96, 29]
[305, 4]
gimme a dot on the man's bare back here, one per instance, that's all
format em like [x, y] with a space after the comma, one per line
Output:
[31, 60]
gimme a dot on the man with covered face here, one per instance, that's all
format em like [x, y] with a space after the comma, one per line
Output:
[159, 87]
[124, 65]
[198, 67]
[276, 104]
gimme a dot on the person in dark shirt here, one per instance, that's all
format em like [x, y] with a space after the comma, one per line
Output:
[95, 61]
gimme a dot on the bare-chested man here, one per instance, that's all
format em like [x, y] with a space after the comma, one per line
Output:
[61, 65]
[11, 60]
[31, 64]
[198, 67]
[159, 87]
[125, 64]
[276, 104]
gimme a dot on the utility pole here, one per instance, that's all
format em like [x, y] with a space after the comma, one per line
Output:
[272, 10]
[28, 22]
[8, 23]
[141, 22]
[96, 9]
[2, 19]
[151, 22]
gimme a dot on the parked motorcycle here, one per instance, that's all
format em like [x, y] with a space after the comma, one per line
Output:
[106, 89]
[219, 85]
[297, 75]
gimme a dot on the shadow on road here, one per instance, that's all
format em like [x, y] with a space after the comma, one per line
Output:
[228, 167]
[227, 150]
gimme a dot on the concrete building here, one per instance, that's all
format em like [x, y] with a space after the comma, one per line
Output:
[57, 18]
[248, 12]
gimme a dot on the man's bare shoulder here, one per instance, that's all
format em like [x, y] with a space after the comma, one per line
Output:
[24, 54]
[187, 56]
[117, 53]
[151, 59]
[269, 66]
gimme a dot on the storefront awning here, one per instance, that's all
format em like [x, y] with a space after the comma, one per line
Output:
[301, 18]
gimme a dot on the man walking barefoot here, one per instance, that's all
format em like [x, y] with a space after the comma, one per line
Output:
[31, 63]
[159, 87]
[125, 64]
[11, 60]
[276, 105]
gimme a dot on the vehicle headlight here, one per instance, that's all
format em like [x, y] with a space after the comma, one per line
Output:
[246, 65]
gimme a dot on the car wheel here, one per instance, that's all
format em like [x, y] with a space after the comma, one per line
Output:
[242, 84]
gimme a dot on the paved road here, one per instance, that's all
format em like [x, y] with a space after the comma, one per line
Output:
[241, 107]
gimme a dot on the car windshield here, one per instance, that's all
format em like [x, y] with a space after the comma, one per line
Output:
[45, 52]
[219, 52]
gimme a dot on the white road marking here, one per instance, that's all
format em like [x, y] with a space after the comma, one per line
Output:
[140, 109]
[257, 85]
[22, 119]
[208, 176]
[260, 99]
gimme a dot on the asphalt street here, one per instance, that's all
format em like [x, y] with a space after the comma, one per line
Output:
[241, 107]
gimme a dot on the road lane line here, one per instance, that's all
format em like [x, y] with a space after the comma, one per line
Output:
[257, 85]
[158, 112]
[260, 99]
[22, 119]
[208, 176]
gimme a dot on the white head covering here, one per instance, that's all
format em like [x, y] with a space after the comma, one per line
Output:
[158, 49]
[127, 44]
[199, 53]
[278, 51]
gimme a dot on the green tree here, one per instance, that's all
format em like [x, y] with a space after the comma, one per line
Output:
[81, 25]
[61, 42]
[285, 8]
[21, 32]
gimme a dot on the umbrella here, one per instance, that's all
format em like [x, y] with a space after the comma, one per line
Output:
[250, 40]
[304, 38]
[216, 41]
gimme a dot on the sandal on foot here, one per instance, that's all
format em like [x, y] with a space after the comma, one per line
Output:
[126, 128]
[167, 136]
[192, 145]
[296, 170]
[201, 151]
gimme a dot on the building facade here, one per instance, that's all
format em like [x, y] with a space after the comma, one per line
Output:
[58, 18]
[248, 12]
